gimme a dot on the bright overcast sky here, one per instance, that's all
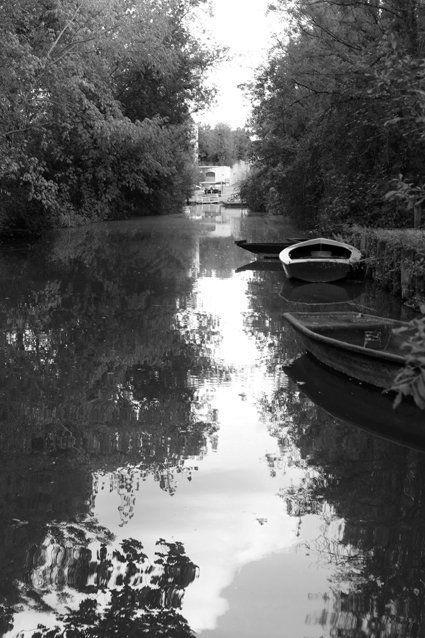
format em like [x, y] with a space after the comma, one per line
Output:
[243, 26]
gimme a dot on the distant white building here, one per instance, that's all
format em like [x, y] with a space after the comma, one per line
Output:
[215, 174]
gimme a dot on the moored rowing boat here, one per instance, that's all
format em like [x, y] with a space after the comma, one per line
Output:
[267, 249]
[319, 260]
[359, 345]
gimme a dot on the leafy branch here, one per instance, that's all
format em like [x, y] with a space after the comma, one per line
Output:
[410, 381]
[412, 196]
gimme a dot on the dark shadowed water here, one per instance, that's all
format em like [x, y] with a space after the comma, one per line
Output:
[173, 465]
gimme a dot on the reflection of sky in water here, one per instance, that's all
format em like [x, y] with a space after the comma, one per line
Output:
[227, 299]
[229, 518]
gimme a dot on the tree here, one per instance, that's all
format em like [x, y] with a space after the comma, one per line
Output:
[221, 145]
[94, 119]
[336, 109]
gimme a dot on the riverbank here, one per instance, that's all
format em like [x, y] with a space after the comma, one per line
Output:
[395, 259]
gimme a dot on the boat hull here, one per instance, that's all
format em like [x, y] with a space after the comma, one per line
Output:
[234, 204]
[319, 271]
[361, 405]
[367, 364]
[260, 265]
[358, 366]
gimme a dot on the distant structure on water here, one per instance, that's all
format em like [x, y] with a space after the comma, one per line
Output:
[214, 175]
[223, 175]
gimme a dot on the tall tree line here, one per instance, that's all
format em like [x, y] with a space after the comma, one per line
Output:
[223, 145]
[96, 97]
[338, 113]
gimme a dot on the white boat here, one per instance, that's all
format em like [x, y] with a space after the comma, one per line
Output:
[319, 260]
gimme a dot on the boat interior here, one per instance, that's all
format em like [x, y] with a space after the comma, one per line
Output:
[376, 337]
[320, 251]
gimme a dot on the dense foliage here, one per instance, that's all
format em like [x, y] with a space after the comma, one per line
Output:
[338, 113]
[410, 381]
[221, 145]
[95, 109]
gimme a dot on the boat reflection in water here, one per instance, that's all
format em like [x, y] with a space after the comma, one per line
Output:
[359, 404]
[320, 293]
[260, 264]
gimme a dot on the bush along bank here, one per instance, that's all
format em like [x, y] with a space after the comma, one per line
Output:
[395, 259]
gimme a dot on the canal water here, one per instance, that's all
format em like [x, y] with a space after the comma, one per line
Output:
[171, 462]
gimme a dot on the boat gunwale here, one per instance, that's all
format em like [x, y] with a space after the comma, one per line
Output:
[317, 260]
[344, 345]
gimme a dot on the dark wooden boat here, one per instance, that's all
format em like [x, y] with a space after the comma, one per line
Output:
[359, 404]
[260, 264]
[359, 345]
[267, 249]
[319, 260]
[236, 203]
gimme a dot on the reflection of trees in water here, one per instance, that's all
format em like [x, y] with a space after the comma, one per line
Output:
[126, 482]
[216, 256]
[354, 616]
[32, 493]
[377, 487]
[97, 376]
[275, 343]
[95, 356]
[63, 557]
[266, 228]
[126, 594]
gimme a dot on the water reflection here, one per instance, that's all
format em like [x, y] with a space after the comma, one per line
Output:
[133, 596]
[157, 457]
[359, 404]
[319, 294]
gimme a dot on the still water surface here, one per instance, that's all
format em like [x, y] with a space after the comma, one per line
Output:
[164, 473]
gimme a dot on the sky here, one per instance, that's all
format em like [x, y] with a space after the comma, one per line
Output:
[243, 26]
